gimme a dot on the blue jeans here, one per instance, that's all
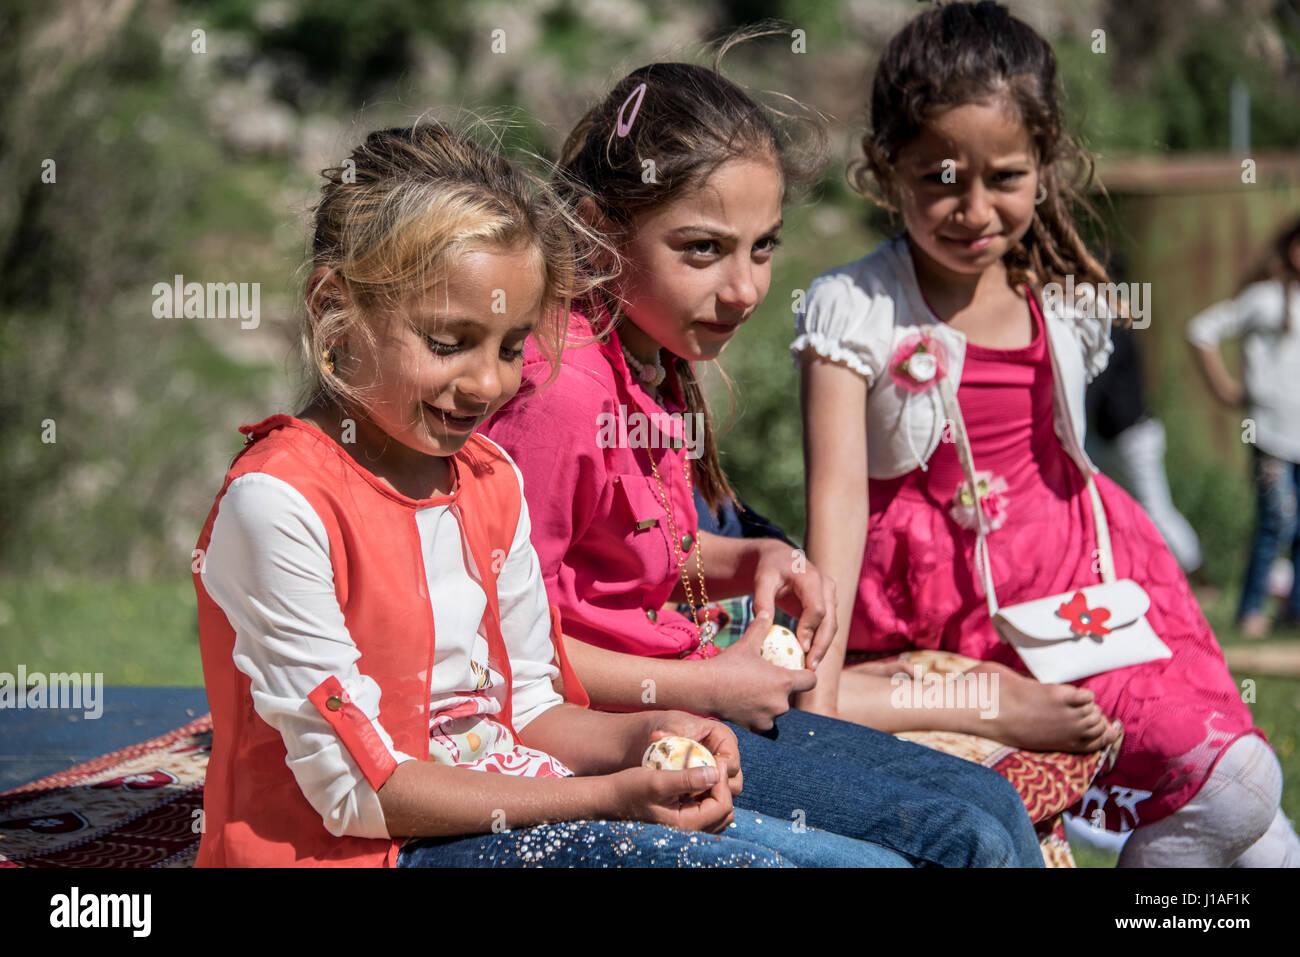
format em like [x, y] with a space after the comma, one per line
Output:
[752, 841]
[841, 777]
[1277, 488]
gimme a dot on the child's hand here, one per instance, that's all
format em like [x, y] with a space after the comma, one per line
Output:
[749, 690]
[717, 737]
[806, 594]
[665, 797]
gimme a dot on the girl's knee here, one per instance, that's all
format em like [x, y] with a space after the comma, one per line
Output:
[1247, 787]
[1279, 847]
[993, 845]
[1240, 798]
[1006, 831]
[996, 795]
[1231, 812]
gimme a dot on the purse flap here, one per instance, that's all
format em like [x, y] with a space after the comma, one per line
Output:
[1093, 611]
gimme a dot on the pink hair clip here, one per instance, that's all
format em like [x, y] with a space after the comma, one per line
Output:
[624, 128]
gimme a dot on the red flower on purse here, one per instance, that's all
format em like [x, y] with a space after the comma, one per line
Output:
[1084, 620]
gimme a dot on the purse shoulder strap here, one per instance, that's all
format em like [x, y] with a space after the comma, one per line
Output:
[984, 568]
[1060, 403]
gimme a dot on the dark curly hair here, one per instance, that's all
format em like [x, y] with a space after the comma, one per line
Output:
[959, 53]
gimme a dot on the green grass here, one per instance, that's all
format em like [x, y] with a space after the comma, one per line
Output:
[134, 633]
[1086, 856]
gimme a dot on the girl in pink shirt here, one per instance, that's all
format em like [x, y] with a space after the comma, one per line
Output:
[613, 446]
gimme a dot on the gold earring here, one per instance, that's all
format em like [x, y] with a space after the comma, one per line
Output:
[328, 359]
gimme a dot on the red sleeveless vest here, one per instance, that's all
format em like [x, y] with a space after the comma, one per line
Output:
[254, 812]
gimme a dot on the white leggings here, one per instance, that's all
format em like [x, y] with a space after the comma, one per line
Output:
[1234, 820]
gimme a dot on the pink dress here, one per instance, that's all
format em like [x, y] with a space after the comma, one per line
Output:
[917, 588]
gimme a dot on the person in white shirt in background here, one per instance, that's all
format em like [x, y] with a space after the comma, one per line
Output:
[1128, 443]
[1265, 315]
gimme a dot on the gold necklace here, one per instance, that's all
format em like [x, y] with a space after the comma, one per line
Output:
[707, 628]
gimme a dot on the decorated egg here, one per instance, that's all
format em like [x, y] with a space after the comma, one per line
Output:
[676, 753]
[781, 648]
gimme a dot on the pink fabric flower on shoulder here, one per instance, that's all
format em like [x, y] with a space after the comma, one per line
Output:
[994, 504]
[918, 363]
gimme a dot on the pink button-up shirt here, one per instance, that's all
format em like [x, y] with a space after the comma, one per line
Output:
[584, 444]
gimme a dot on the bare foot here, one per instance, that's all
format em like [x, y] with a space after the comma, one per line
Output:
[1254, 626]
[1043, 717]
[886, 669]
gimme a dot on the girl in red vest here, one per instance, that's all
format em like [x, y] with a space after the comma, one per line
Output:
[378, 647]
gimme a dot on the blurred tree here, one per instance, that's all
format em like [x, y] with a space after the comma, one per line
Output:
[354, 49]
[1163, 82]
[91, 92]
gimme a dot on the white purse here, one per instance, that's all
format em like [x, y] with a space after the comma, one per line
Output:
[1078, 633]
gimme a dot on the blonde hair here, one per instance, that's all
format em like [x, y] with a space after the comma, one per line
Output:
[394, 219]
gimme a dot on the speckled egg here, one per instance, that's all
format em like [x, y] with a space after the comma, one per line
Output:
[676, 754]
[781, 648]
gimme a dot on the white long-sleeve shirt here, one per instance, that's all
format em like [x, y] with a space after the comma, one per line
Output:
[1270, 358]
[268, 567]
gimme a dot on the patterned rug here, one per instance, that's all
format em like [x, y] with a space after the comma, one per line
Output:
[141, 806]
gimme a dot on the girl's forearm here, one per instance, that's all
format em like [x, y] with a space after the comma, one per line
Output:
[589, 742]
[835, 545]
[618, 681]
[834, 401]
[424, 799]
[1216, 373]
[729, 566]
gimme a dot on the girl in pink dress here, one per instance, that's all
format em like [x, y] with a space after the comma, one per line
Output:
[967, 145]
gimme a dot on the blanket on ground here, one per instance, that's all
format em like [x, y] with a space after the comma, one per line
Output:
[142, 806]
